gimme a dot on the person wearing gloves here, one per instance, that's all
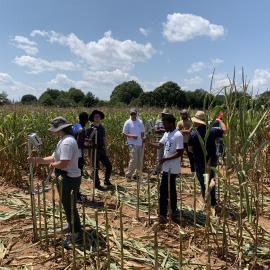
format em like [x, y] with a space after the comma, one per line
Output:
[133, 130]
[65, 162]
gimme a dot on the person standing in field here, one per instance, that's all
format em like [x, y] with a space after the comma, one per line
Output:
[172, 142]
[133, 130]
[205, 164]
[80, 135]
[185, 127]
[159, 131]
[65, 162]
[101, 152]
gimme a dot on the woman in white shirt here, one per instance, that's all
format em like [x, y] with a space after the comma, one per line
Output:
[65, 162]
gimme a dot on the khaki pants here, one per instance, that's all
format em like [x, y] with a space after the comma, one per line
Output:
[135, 159]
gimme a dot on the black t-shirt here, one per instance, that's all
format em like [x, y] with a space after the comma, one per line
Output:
[194, 141]
[100, 135]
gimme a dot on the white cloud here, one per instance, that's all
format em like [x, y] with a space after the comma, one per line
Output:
[105, 54]
[39, 65]
[261, 78]
[144, 31]
[220, 80]
[41, 33]
[217, 61]
[196, 67]
[13, 88]
[199, 66]
[181, 27]
[21, 42]
[193, 81]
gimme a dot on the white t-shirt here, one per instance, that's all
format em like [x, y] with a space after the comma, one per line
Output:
[67, 149]
[135, 128]
[172, 141]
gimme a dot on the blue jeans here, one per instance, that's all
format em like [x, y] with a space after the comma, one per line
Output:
[200, 171]
[164, 194]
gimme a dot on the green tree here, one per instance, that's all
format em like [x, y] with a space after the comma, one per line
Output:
[76, 95]
[169, 94]
[4, 98]
[126, 92]
[28, 99]
[90, 100]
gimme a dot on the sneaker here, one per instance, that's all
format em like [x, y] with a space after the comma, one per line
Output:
[81, 198]
[107, 183]
[98, 186]
[163, 220]
[76, 238]
[65, 229]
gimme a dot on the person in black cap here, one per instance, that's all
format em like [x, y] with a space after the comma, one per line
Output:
[101, 155]
[65, 162]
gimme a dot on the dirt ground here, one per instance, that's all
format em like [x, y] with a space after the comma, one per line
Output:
[18, 251]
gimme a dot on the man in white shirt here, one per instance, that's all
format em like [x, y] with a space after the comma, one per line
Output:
[133, 130]
[172, 141]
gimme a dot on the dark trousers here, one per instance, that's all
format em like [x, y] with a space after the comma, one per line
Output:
[81, 164]
[164, 194]
[190, 157]
[103, 158]
[69, 184]
[200, 171]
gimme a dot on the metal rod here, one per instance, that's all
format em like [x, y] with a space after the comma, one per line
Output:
[138, 196]
[194, 206]
[32, 196]
[107, 236]
[61, 215]
[97, 234]
[156, 248]
[95, 165]
[169, 197]
[158, 188]
[73, 231]
[121, 236]
[53, 212]
[149, 199]
[39, 215]
[84, 236]
[45, 215]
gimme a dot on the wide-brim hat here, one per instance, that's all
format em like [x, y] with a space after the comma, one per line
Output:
[94, 112]
[199, 118]
[58, 124]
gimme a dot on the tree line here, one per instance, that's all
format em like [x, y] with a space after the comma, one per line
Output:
[131, 93]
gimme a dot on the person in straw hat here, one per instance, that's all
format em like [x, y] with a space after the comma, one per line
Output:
[159, 131]
[185, 127]
[205, 164]
[65, 162]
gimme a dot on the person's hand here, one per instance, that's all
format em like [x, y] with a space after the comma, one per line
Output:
[144, 140]
[134, 137]
[35, 161]
[162, 161]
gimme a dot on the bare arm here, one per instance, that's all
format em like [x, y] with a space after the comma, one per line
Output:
[131, 136]
[179, 153]
[60, 164]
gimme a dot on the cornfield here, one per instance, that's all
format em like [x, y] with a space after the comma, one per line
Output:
[238, 237]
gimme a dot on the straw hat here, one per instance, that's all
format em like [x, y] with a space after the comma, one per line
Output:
[199, 118]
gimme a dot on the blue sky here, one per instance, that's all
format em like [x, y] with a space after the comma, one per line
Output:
[96, 44]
